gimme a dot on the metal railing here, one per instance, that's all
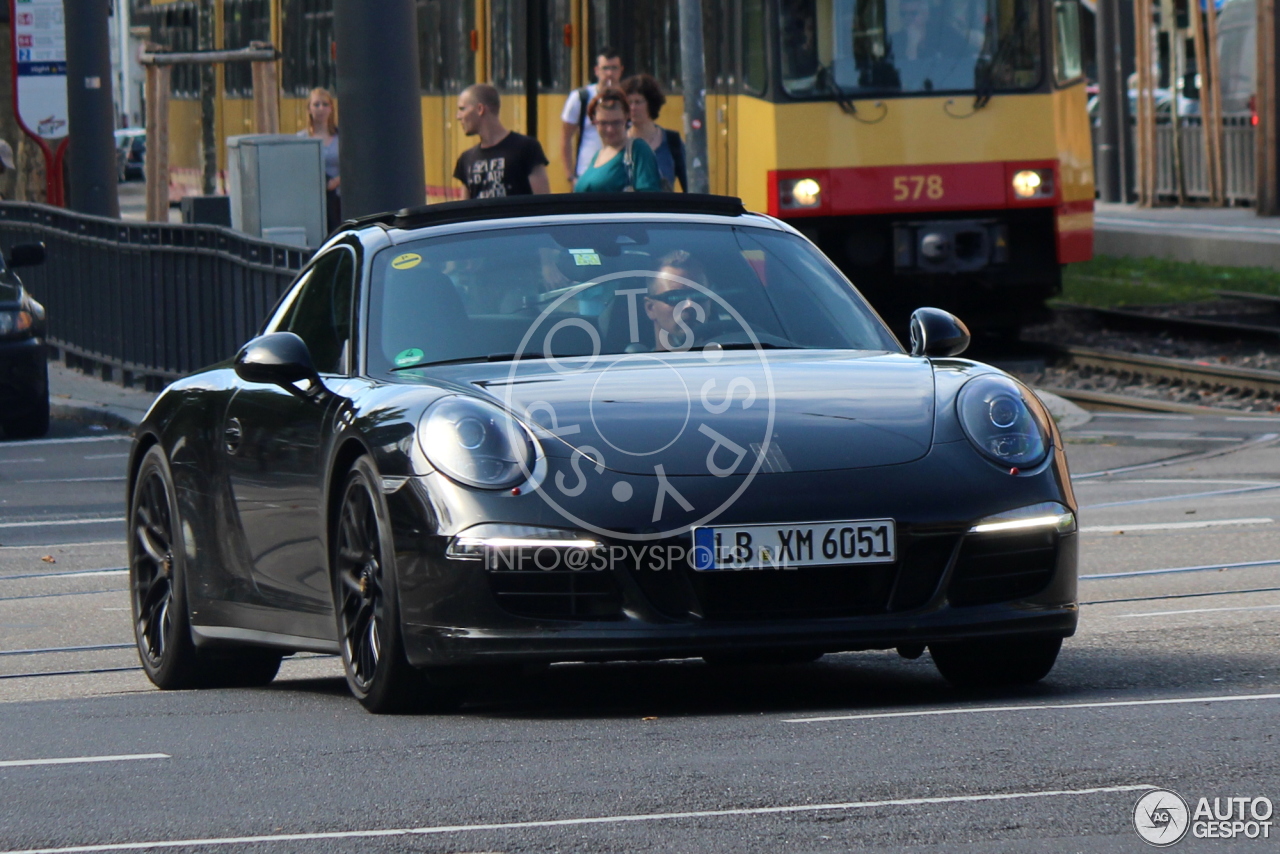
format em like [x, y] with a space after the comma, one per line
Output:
[151, 301]
[1237, 160]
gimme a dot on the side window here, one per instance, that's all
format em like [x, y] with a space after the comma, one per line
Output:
[1068, 63]
[321, 313]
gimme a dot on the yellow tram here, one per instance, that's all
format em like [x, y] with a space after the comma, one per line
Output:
[937, 150]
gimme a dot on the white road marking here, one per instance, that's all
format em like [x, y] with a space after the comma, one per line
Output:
[112, 520]
[1173, 526]
[25, 460]
[927, 713]
[1150, 435]
[77, 760]
[47, 546]
[76, 479]
[1184, 496]
[1200, 611]
[1152, 417]
[71, 573]
[105, 456]
[75, 441]
[577, 822]
[1208, 567]
[1181, 459]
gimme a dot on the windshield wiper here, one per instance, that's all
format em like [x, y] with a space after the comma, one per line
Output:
[827, 78]
[492, 357]
[747, 345]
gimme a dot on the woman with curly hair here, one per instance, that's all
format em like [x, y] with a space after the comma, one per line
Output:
[645, 100]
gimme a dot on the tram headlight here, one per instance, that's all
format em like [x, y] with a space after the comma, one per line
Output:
[1033, 183]
[799, 193]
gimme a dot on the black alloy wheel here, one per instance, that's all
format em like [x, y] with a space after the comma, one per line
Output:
[366, 603]
[996, 662]
[160, 624]
[157, 584]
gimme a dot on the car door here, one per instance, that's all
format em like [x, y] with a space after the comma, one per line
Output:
[275, 441]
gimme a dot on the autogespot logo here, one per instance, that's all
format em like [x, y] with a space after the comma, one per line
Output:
[653, 414]
[1161, 817]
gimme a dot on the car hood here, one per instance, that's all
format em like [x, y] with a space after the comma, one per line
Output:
[799, 410]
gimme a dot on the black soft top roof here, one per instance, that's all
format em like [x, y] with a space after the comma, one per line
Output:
[556, 204]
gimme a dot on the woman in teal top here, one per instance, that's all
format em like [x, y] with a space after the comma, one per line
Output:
[610, 171]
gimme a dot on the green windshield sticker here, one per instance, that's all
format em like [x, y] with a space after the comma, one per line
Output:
[409, 357]
[585, 257]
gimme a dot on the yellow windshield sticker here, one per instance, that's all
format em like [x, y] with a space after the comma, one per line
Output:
[585, 257]
[407, 261]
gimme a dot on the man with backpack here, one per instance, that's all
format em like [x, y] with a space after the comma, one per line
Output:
[580, 142]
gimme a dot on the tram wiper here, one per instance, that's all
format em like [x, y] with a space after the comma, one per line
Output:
[827, 78]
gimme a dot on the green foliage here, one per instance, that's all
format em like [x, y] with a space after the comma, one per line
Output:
[1107, 281]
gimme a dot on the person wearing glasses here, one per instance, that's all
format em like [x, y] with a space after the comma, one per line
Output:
[677, 310]
[623, 164]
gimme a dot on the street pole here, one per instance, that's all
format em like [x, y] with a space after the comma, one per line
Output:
[380, 109]
[90, 113]
[208, 110]
[693, 79]
[1111, 95]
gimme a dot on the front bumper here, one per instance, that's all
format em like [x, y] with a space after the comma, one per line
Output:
[23, 374]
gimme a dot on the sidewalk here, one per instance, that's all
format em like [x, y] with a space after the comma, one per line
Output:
[1228, 237]
[80, 397]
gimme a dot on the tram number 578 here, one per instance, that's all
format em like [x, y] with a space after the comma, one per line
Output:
[909, 188]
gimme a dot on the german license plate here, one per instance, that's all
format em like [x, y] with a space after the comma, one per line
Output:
[794, 546]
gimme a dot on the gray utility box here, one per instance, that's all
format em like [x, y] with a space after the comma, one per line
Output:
[276, 180]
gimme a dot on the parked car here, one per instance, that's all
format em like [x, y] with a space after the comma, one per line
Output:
[541, 429]
[131, 154]
[24, 365]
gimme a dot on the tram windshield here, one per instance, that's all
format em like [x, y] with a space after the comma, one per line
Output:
[859, 48]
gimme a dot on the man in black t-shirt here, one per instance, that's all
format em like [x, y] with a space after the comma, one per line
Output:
[505, 163]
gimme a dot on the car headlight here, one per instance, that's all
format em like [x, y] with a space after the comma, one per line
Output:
[14, 322]
[1047, 514]
[1004, 420]
[476, 443]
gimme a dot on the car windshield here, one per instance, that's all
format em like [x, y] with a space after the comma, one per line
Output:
[847, 48]
[608, 287]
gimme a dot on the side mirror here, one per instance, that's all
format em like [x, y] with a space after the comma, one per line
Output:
[279, 358]
[935, 332]
[25, 255]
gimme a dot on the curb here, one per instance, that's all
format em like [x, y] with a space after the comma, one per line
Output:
[93, 413]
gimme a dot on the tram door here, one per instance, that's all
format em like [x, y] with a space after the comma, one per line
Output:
[719, 35]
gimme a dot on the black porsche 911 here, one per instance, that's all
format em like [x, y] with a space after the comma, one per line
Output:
[479, 435]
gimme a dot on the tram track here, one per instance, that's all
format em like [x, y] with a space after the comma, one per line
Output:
[1236, 390]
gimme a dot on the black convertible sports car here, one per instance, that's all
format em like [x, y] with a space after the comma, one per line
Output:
[521, 431]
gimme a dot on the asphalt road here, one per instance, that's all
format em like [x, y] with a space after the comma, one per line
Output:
[1172, 682]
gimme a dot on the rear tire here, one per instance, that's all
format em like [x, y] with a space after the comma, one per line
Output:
[996, 662]
[367, 605]
[158, 594]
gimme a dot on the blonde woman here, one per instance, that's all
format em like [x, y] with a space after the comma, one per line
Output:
[322, 125]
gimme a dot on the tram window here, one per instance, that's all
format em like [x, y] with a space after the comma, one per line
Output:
[646, 35]
[174, 26]
[243, 21]
[843, 48]
[555, 69]
[507, 44]
[307, 28]
[1066, 40]
[755, 66]
[446, 63]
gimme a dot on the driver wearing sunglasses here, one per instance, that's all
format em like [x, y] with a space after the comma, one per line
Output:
[677, 309]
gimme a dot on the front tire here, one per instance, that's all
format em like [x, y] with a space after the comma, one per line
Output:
[367, 605]
[996, 662]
